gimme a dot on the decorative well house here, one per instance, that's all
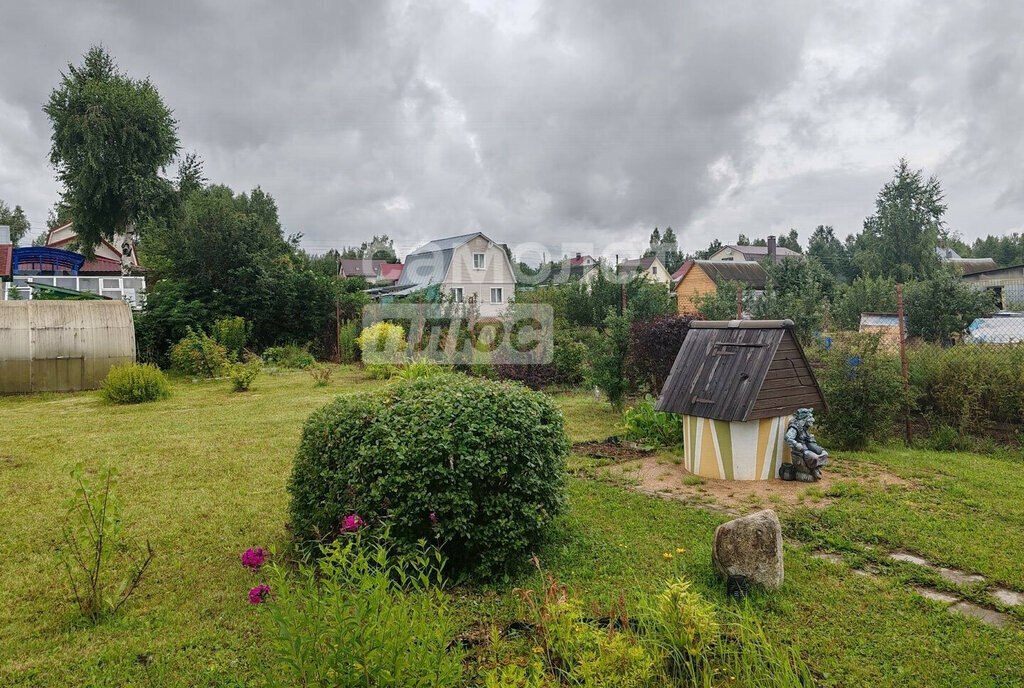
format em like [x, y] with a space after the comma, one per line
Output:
[736, 383]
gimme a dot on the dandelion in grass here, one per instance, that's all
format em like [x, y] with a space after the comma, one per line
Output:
[680, 550]
[352, 523]
[259, 594]
[666, 555]
[538, 650]
[253, 558]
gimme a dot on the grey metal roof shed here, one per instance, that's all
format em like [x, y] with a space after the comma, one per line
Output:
[739, 370]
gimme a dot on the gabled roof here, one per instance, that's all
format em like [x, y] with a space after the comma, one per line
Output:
[50, 242]
[579, 260]
[756, 253]
[390, 271]
[740, 370]
[429, 263]
[104, 266]
[561, 275]
[879, 320]
[359, 267]
[638, 263]
[970, 266]
[746, 272]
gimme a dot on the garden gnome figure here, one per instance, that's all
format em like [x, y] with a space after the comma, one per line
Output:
[808, 456]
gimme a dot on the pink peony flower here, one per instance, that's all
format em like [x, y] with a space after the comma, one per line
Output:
[259, 594]
[253, 558]
[352, 523]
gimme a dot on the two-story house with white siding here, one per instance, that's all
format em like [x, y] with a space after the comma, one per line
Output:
[470, 268]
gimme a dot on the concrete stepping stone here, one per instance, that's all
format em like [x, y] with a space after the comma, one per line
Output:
[992, 618]
[937, 595]
[959, 577]
[1010, 598]
[910, 559]
[828, 556]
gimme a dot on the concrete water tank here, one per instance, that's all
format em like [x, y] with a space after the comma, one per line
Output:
[62, 346]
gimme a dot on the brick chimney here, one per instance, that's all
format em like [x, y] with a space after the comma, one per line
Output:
[773, 254]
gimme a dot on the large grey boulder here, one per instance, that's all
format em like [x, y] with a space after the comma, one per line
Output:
[750, 546]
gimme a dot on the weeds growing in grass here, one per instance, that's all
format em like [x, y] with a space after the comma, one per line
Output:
[420, 368]
[679, 639]
[321, 375]
[104, 566]
[244, 374]
[364, 615]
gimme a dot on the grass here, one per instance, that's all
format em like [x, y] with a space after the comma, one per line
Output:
[203, 475]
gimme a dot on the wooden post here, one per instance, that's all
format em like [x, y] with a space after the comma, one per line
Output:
[337, 330]
[739, 303]
[903, 353]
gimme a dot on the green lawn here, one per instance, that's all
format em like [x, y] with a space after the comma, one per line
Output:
[203, 474]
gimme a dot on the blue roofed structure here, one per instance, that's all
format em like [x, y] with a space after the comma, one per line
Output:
[428, 265]
[468, 268]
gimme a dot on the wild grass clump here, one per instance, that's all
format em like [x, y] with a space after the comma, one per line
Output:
[135, 383]
[418, 369]
[321, 374]
[364, 614]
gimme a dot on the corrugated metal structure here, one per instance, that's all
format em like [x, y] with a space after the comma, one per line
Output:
[60, 346]
[737, 382]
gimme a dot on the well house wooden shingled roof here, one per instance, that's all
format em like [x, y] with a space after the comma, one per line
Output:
[740, 370]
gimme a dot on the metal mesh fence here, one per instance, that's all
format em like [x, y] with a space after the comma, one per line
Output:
[969, 382]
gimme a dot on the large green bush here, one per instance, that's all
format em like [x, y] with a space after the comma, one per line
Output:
[198, 355]
[644, 424]
[134, 383]
[231, 333]
[290, 356]
[863, 389]
[475, 465]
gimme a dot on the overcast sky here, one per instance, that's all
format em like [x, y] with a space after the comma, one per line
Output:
[577, 124]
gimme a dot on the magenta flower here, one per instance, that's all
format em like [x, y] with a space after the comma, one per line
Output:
[433, 517]
[259, 594]
[352, 523]
[253, 558]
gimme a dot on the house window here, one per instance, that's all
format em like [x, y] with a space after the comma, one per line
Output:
[478, 261]
[654, 270]
[457, 295]
[496, 294]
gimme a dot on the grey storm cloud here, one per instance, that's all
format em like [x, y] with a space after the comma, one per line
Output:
[565, 125]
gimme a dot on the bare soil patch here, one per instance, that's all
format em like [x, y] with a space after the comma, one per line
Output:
[610, 449]
[663, 473]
